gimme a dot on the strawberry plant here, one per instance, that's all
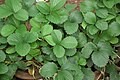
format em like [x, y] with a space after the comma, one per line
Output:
[58, 41]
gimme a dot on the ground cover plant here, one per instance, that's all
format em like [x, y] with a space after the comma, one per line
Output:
[58, 41]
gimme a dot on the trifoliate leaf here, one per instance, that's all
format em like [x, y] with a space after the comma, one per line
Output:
[69, 42]
[48, 69]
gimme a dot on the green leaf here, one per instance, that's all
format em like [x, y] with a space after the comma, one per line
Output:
[69, 42]
[35, 52]
[109, 3]
[114, 40]
[82, 61]
[70, 52]
[59, 51]
[15, 5]
[88, 49]
[88, 74]
[82, 39]
[10, 50]
[92, 29]
[76, 17]
[84, 24]
[4, 11]
[70, 27]
[70, 66]
[7, 30]
[70, 7]
[105, 46]
[22, 49]
[4, 77]
[90, 17]
[21, 15]
[47, 50]
[118, 19]
[63, 15]
[54, 18]
[49, 39]
[14, 39]
[79, 75]
[30, 37]
[57, 36]
[100, 58]
[28, 3]
[21, 29]
[3, 40]
[64, 75]
[114, 31]
[3, 68]
[102, 25]
[46, 29]
[11, 71]
[2, 56]
[43, 7]
[110, 17]
[102, 13]
[32, 11]
[88, 5]
[48, 69]
[40, 18]
[56, 4]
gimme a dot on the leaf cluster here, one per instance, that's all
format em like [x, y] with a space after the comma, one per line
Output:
[63, 43]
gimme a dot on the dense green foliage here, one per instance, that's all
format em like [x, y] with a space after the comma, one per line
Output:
[65, 44]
